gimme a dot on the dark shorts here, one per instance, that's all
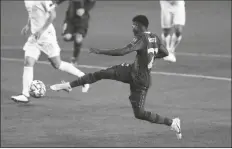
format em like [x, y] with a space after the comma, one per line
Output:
[75, 26]
[123, 73]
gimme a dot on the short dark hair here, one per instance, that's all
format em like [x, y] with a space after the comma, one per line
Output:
[142, 19]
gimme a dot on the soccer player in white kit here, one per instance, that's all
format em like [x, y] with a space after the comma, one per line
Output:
[172, 17]
[43, 38]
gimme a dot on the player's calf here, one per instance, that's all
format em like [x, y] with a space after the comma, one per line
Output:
[77, 47]
[178, 29]
[176, 37]
[166, 36]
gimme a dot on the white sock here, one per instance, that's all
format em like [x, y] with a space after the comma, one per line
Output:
[27, 79]
[69, 68]
[166, 41]
[174, 42]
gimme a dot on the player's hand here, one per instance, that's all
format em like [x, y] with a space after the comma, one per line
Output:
[94, 50]
[25, 30]
[37, 35]
[80, 12]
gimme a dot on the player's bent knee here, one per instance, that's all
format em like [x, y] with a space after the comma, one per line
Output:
[55, 65]
[79, 38]
[55, 62]
[29, 61]
[166, 31]
[139, 113]
[178, 30]
[67, 37]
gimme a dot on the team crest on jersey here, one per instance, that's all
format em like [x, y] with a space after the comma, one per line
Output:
[152, 39]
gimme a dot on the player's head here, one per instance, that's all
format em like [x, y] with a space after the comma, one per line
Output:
[140, 23]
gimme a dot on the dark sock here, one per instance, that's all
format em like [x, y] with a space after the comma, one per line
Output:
[86, 79]
[155, 118]
[76, 49]
[75, 83]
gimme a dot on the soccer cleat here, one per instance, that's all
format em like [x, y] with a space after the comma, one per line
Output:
[63, 86]
[171, 57]
[20, 98]
[85, 88]
[176, 127]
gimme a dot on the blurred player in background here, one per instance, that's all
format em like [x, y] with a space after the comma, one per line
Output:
[76, 24]
[148, 48]
[172, 17]
[43, 38]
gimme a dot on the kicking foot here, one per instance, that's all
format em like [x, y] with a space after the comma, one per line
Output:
[171, 57]
[63, 86]
[85, 88]
[176, 127]
[20, 98]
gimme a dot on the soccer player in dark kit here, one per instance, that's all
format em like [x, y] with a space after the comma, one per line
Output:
[76, 24]
[148, 48]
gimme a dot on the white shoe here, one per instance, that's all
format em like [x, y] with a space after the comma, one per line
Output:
[171, 57]
[20, 98]
[176, 127]
[85, 88]
[63, 86]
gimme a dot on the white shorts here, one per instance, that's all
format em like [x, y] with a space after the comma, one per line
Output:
[47, 43]
[172, 14]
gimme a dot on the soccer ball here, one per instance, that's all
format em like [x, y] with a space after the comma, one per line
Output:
[37, 89]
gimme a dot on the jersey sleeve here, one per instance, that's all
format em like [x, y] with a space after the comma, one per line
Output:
[48, 5]
[137, 43]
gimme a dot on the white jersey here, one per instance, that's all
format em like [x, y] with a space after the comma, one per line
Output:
[38, 13]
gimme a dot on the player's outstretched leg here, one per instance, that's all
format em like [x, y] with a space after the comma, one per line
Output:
[118, 73]
[137, 98]
[69, 68]
[86, 79]
[27, 79]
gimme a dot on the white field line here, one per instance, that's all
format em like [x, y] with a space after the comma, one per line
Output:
[177, 53]
[153, 72]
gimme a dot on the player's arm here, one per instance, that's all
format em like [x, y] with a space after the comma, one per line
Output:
[28, 22]
[50, 8]
[136, 45]
[162, 51]
[27, 27]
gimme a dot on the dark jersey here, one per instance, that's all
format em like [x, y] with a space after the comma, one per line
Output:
[146, 45]
[75, 5]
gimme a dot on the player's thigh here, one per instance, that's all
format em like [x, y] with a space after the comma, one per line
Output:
[118, 73]
[137, 98]
[32, 51]
[50, 48]
[179, 16]
[166, 15]
[166, 19]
